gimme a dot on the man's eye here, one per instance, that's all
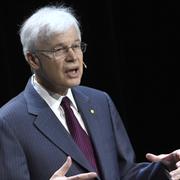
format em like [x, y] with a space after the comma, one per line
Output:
[76, 46]
[59, 49]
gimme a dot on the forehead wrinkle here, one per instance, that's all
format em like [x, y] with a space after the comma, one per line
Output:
[64, 44]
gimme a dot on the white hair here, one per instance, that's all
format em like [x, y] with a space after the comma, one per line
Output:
[45, 22]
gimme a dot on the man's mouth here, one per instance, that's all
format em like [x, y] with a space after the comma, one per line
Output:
[72, 73]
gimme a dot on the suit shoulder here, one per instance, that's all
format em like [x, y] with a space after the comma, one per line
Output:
[13, 104]
[92, 92]
[86, 89]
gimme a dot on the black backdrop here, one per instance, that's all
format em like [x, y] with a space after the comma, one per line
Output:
[132, 55]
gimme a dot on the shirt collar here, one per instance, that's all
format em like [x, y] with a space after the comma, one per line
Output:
[51, 98]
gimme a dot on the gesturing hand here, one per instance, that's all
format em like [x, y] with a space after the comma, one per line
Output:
[61, 172]
[171, 161]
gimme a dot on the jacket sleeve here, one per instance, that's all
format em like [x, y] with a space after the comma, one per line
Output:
[13, 164]
[129, 169]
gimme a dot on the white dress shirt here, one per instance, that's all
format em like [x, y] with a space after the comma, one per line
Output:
[54, 100]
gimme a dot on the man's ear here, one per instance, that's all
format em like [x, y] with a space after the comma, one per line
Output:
[32, 60]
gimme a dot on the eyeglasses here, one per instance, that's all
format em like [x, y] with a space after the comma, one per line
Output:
[60, 52]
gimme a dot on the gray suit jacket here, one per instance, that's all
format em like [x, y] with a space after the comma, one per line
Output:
[34, 144]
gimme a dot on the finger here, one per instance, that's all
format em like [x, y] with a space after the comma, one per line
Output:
[178, 164]
[177, 155]
[175, 174]
[84, 176]
[64, 168]
[154, 158]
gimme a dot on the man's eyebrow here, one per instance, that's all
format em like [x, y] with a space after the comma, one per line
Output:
[59, 45]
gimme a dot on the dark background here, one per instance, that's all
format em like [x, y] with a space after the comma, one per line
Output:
[132, 55]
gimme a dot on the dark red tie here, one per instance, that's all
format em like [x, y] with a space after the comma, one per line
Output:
[79, 135]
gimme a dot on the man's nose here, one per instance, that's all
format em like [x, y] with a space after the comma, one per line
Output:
[71, 55]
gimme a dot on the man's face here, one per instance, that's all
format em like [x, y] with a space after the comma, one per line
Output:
[62, 69]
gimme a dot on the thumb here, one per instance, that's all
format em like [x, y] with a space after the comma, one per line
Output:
[63, 169]
[154, 158]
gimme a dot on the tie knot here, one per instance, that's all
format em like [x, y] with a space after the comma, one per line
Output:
[65, 102]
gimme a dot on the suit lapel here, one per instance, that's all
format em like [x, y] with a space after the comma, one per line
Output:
[89, 113]
[48, 124]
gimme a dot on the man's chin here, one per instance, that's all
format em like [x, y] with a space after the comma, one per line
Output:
[74, 83]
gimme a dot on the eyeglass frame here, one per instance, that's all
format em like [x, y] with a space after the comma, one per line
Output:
[81, 46]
